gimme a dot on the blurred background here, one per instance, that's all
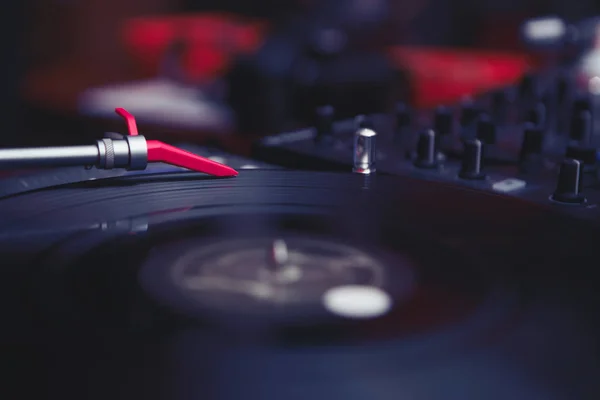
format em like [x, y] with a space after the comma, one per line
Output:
[224, 72]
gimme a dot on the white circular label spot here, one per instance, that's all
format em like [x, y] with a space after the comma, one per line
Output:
[356, 301]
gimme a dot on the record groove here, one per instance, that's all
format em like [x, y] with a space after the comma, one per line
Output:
[477, 255]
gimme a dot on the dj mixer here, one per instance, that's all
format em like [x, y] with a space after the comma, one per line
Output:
[534, 140]
[439, 254]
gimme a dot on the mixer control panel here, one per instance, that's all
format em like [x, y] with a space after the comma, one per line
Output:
[536, 139]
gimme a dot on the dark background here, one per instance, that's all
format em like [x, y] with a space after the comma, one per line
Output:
[75, 44]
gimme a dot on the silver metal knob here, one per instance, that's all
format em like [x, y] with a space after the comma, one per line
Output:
[364, 151]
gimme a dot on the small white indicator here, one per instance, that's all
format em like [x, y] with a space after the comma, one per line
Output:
[509, 185]
[355, 301]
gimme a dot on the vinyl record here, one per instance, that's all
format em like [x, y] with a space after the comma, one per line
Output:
[282, 284]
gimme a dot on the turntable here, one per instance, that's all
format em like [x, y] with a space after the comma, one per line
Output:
[273, 284]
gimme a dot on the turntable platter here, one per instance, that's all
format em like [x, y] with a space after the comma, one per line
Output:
[179, 286]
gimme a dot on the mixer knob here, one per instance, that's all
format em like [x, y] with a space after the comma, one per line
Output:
[469, 113]
[364, 151]
[528, 89]
[499, 105]
[325, 117]
[568, 188]
[472, 160]
[537, 115]
[581, 126]
[533, 140]
[442, 121]
[426, 150]
[530, 156]
[486, 130]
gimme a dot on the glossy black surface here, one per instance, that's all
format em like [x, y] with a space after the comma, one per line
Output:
[505, 304]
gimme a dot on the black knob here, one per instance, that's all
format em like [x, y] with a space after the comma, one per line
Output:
[568, 187]
[472, 160]
[486, 130]
[533, 140]
[363, 121]
[469, 113]
[537, 115]
[442, 121]
[528, 88]
[324, 123]
[581, 126]
[499, 105]
[426, 150]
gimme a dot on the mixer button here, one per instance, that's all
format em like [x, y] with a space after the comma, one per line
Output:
[509, 185]
[568, 187]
